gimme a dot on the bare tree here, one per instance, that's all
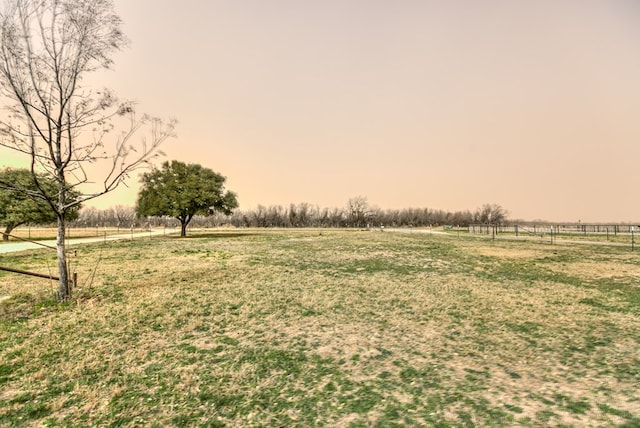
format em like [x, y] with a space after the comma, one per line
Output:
[358, 209]
[48, 48]
[491, 214]
[125, 216]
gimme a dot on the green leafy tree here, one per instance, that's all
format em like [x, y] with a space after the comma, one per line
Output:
[26, 205]
[183, 190]
[78, 135]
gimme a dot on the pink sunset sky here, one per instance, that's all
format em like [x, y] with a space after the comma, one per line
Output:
[533, 104]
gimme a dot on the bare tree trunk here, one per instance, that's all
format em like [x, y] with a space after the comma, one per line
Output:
[183, 229]
[63, 273]
[64, 292]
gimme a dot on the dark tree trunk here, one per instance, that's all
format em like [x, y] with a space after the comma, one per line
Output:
[184, 222]
[8, 230]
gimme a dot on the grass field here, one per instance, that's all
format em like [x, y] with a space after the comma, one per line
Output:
[343, 328]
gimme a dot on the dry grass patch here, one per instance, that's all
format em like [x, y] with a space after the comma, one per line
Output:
[595, 269]
[510, 252]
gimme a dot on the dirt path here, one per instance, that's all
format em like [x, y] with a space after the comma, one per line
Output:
[13, 247]
[546, 238]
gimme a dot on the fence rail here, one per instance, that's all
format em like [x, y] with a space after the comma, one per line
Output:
[24, 272]
[27, 232]
[584, 229]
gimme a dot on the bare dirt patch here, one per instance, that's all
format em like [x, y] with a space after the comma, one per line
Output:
[511, 253]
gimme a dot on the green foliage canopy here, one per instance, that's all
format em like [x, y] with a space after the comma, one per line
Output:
[183, 190]
[23, 203]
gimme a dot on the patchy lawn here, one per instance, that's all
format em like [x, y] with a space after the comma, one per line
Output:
[342, 328]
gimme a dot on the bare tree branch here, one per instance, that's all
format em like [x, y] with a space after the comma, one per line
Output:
[47, 47]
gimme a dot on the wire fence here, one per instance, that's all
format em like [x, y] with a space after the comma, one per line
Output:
[615, 234]
[39, 233]
[569, 229]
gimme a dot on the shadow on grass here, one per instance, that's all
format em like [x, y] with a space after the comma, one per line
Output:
[23, 306]
[214, 234]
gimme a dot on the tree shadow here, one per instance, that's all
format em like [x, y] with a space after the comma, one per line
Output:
[213, 235]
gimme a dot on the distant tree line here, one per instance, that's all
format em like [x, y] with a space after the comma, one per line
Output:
[117, 216]
[357, 213]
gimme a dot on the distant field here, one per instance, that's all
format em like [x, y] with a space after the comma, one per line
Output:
[343, 328]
